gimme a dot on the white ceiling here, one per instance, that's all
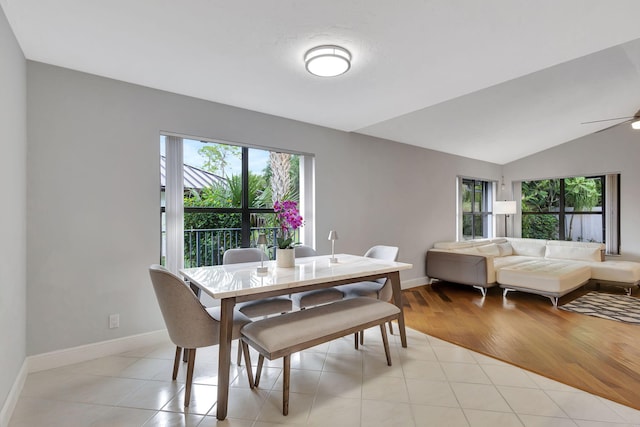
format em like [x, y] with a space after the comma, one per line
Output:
[494, 80]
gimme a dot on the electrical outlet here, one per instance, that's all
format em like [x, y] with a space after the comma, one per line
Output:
[114, 321]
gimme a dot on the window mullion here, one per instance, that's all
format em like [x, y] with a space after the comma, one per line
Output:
[245, 235]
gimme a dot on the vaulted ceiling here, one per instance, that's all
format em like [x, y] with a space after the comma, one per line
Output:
[494, 80]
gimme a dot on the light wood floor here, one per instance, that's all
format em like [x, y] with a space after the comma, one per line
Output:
[599, 356]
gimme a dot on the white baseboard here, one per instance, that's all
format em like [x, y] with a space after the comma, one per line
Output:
[69, 356]
[412, 283]
[12, 399]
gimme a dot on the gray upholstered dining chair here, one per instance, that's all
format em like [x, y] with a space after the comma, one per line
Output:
[381, 288]
[258, 308]
[189, 323]
[303, 300]
[262, 307]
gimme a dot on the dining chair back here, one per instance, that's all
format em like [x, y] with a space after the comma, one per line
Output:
[258, 308]
[302, 251]
[380, 288]
[238, 255]
[190, 325]
[316, 297]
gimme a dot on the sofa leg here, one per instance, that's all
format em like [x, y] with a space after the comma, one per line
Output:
[482, 290]
[554, 300]
[505, 291]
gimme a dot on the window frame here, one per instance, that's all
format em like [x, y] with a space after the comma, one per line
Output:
[610, 213]
[174, 209]
[486, 212]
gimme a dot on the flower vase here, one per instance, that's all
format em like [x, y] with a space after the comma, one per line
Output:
[285, 258]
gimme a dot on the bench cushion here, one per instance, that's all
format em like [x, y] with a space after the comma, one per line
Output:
[289, 330]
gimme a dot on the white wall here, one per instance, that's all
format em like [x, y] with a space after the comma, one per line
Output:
[614, 151]
[13, 182]
[94, 196]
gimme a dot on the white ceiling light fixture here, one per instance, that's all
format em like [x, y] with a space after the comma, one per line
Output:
[636, 125]
[327, 61]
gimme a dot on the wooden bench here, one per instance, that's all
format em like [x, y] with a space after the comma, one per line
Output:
[280, 336]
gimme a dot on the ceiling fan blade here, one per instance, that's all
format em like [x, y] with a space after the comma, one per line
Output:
[607, 120]
[612, 126]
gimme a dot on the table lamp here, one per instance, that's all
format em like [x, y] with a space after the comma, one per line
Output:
[262, 245]
[333, 236]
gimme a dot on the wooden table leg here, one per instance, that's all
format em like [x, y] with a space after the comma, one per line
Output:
[397, 300]
[224, 356]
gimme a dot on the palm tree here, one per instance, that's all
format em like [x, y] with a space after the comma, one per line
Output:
[280, 178]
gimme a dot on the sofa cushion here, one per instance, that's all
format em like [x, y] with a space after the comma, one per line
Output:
[577, 251]
[505, 249]
[616, 271]
[452, 245]
[490, 249]
[548, 277]
[528, 247]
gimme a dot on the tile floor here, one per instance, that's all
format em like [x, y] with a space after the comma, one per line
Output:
[431, 383]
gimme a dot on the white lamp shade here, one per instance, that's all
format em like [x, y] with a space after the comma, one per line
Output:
[333, 235]
[504, 207]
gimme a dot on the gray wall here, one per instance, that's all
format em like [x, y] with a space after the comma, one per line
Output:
[94, 196]
[616, 150]
[13, 222]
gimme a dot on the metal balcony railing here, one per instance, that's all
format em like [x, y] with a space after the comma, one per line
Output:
[206, 246]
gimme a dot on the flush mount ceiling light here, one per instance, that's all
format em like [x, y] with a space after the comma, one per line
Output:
[327, 61]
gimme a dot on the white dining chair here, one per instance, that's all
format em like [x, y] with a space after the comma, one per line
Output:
[189, 323]
[303, 300]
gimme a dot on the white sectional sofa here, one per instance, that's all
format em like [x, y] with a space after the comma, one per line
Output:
[546, 267]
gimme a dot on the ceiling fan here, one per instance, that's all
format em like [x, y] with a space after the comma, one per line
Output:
[635, 121]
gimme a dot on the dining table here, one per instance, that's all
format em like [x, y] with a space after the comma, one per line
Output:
[235, 283]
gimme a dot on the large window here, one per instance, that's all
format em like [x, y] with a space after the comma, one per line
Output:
[217, 196]
[576, 208]
[476, 201]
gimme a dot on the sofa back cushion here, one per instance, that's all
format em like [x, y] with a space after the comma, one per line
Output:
[528, 247]
[452, 245]
[505, 249]
[577, 251]
[489, 249]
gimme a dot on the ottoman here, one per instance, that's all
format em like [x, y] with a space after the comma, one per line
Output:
[552, 279]
[618, 273]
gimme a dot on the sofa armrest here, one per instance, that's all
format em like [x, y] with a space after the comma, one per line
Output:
[468, 269]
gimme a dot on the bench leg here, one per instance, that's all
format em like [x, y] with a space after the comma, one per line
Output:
[385, 341]
[247, 362]
[285, 388]
[355, 339]
[259, 370]
[391, 327]
[362, 337]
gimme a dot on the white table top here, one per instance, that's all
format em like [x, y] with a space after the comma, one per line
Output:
[224, 281]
